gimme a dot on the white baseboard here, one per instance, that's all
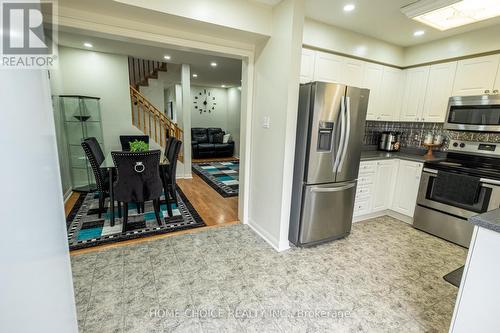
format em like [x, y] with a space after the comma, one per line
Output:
[67, 195]
[401, 217]
[270, 239]
[388, 212]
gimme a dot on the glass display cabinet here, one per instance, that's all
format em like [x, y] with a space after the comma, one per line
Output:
[82, 119]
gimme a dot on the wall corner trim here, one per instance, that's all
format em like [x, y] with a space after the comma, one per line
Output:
[270, 239]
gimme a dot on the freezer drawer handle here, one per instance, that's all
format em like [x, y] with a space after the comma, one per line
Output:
[332, 189]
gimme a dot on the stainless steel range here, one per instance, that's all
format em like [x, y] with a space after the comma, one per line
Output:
[465, 184]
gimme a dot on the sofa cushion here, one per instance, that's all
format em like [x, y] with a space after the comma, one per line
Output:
[212, 131]
[199, 135]
[223, 146]
[218, 137]
[206, 147]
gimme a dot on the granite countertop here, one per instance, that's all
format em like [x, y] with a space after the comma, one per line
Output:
[489, 220]
[414, 156]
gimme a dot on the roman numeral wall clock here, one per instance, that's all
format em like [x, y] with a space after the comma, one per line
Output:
[204, 101]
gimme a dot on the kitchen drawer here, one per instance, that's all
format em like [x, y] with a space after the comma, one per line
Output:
[361, 207]
[363, 190]
[364, 179]
[367, 168]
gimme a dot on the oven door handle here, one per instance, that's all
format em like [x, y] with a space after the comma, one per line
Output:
[482, 180]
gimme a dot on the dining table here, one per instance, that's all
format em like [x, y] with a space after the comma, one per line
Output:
[109, 165]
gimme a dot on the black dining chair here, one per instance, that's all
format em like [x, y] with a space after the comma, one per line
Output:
[138, 180]
[125, 140]
[95, 156]
[169, 178]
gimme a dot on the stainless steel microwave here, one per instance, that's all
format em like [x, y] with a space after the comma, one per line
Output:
[474, 113]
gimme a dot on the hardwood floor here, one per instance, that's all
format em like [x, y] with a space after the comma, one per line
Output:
[70, 203]
[214, 209]
[215, 159]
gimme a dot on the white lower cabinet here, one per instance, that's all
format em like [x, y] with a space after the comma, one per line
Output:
[405, 191]
[390, 184]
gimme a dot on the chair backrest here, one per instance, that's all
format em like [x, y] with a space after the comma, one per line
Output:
[125, 140]
[199, 134]
[168, 144]
[138, 176]
[95, 156]
[172, 158]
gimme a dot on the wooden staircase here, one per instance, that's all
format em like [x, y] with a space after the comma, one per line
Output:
[145, 116]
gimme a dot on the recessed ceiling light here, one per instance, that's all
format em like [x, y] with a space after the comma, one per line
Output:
[213, 64]
[447, 14]
[87, 44]
[167, 57]
[418, 33]
[195, 75]
[223, 86]
[349, 7]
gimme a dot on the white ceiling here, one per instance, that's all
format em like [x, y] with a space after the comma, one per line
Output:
[382, 19]
[268, 2]
[227, 72]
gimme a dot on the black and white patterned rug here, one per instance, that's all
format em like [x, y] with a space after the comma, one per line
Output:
[221, 176]
[86, 229]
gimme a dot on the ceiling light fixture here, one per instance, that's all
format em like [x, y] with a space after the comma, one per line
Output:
[448, 14]
[167, 57]
[213, 64]
[195, 75]
[349, 7]
[87, 44]
[223, 86]
[418, 33]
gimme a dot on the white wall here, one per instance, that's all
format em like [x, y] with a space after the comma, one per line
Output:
[467, 44]
[217, 118]
[276, 85]
[335, 39]
[237, 14]
[233, 117]
[36, 288]
[103, 75]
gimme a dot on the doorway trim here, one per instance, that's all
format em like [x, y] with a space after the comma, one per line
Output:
[244, 52]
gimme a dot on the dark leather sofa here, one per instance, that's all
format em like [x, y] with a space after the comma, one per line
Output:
[204, 143]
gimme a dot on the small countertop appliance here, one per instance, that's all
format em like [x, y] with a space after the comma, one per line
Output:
[389, 141]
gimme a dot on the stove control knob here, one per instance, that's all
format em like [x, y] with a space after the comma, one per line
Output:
[455, 144]
[462, 145]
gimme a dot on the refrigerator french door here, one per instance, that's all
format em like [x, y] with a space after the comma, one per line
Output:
[330, 126]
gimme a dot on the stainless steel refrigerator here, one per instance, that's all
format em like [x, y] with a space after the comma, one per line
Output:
[330, 129]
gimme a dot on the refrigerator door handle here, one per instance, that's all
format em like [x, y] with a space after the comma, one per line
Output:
[338, 152]
[332, 189]
[348, 132]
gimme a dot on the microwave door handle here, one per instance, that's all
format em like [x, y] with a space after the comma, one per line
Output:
[348, 131]
[338, 150]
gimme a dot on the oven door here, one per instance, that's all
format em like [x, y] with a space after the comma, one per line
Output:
[487, 199]
[474, 113]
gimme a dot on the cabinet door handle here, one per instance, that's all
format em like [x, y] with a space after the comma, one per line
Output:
[495, 91]
[486, 91]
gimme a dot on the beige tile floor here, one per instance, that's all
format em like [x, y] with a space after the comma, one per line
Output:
[385, 277]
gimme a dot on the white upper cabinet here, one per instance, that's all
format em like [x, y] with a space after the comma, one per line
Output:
[353, 72]
[476, 76]
[496, 88]
[372, 79]
[328, 67]
[438, 92]
[406, 189]
[390, 94]
[307, 66]
[414, 93]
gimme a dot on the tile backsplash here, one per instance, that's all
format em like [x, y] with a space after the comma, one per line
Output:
[413, 133]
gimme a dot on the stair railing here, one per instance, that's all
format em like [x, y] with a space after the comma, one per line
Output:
[151, 121]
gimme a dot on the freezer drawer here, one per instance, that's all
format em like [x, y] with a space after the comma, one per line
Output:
[326, 212]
